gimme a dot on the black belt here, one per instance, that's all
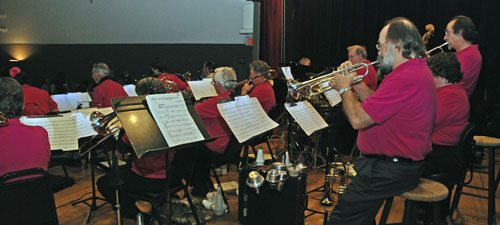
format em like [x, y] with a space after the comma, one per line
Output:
[391, 158]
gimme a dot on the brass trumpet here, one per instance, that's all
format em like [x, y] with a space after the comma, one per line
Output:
[316, 86]
[4, 121]
[104, 125]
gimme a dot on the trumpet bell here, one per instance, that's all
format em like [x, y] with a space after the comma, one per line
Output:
[96, 122]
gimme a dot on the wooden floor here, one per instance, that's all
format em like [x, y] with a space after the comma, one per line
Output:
[471, 210]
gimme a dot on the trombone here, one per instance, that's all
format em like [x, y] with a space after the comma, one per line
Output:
[105, 127]
[316, 86]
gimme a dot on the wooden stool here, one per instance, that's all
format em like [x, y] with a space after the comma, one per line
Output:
[426, 191]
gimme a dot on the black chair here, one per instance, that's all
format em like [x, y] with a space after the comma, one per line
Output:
[27, 201]
[275, 113]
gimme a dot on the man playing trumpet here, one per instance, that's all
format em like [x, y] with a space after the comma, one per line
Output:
[395, 124]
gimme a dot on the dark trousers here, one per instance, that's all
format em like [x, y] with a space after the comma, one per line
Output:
[201, 182]
[444, 159]
[181, 168]
[376, 180]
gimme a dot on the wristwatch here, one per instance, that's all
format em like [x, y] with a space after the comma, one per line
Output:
[343, 90]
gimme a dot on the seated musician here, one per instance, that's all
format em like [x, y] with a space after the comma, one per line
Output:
[357, 54]
[159, 69]
[260, 86]
[451, 119]
[21, 146]
[36, 101]
[146, 174]
[223, 80]
[106, 88]
[208, 69]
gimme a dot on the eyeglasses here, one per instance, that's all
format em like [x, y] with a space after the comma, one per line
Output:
[379, 46]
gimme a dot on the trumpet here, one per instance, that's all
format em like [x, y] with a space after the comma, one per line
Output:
[4, 121]
[316, 86]
[104, 125]
[436, 48]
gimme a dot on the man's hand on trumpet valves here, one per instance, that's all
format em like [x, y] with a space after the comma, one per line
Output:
[246, 88]
[340, 81]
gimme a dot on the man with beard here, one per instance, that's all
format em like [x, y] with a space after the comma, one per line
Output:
[395, 124]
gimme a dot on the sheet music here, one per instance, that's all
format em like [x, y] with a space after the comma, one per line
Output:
[61, 129]
[202, 88]
[76, 98]
[246, 118]
[83, 125]
[63, 103]
[333, 96]
[172, 116]
[287, 72]
[306, 116]
[130, 89]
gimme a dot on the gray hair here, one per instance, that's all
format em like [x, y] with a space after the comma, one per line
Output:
[149, 85]
[360, 50]
[404, 33]
[225, 76]
[260, 67]
[11, 97]
[100, 68]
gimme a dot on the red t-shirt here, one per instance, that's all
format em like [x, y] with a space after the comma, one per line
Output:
[216, 125]
[403, 108]
[371, 78]
[470, 59]
[105, 91]
[452, 114]
[181, 85]
[265, 94]
[23, 147]
[152, 166]
[37, 101]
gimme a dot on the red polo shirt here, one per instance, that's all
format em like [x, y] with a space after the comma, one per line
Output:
[216, 125]
[404, 109]
[470, 59]
[37, 101]
[452, 114]
[265, 94]
[105, 91]
[23, 147]
[181, 85]
[371, 78]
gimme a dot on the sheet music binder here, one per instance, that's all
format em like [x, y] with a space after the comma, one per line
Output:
[142, 130]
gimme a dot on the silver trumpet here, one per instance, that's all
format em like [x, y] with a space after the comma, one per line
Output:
[437, 48]
[316, 86]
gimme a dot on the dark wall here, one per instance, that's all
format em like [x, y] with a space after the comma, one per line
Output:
[322, 30]
[76, 60]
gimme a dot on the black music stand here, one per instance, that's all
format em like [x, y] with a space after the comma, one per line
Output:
[146, 137]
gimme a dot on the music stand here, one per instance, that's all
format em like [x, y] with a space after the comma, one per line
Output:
[130, 110]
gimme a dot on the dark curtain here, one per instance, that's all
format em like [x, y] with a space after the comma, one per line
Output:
[322, 30]
[270, 32]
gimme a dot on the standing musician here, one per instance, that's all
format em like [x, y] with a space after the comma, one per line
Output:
[36, 101]
[223, 81]
[106, 88]
[395, 124]
[357, 54]
[159, 68]
[451, 119]
[461, 34]
[260, 87]
[21, 146]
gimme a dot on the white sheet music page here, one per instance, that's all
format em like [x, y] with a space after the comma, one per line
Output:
[77, 98]
[333, 97]
[306, 116]
[173, 119]
[287, 72]
[130, 89]
[83, 125]
[246, 118]
[202, 88]
[61, 129]
[63, 103]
